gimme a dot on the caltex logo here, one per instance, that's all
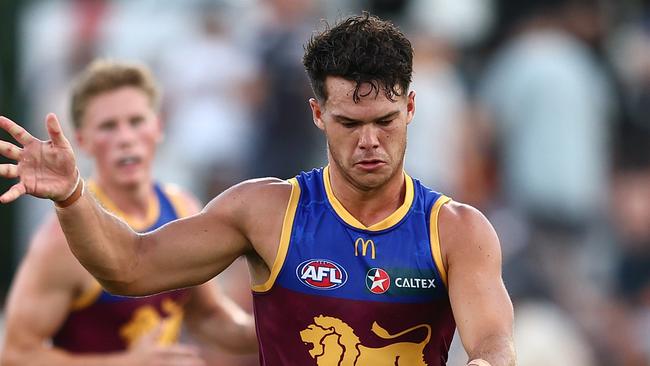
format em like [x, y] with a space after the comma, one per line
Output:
[321, 274]
[377, 281]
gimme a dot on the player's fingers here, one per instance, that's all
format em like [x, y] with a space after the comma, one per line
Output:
[13, 193]
[181, 355]
[183, 361]
[9, 150]
[8, 170]
[20, 134]
[176, 361]
[55, 131]
[181, 350]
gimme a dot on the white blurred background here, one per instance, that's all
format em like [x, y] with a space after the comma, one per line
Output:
[537, 112]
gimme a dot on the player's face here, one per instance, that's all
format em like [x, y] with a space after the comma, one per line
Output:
[120, 131]
[366, 140]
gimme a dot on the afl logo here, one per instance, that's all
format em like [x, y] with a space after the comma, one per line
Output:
[377, 281]
[321, 274]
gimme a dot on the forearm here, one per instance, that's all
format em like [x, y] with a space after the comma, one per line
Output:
[497, 350]
[235, 335]
[103, 244]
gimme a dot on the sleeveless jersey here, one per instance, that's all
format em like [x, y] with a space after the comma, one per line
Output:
[101, 322]
[344, 294]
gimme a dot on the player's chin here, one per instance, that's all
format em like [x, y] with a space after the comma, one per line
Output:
[372, 179]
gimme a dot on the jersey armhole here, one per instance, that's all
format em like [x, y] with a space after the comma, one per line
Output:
[436, 250]
[285, 238]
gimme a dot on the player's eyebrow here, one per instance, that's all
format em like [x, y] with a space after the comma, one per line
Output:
[343, 118]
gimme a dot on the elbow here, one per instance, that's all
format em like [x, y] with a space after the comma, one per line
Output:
[122, 277]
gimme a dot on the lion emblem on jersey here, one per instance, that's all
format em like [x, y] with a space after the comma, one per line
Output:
[146, 319]
[335, 344]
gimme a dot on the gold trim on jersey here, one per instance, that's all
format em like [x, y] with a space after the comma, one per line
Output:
[87, 297]
[435, 237]
[153, 211]
[285, 237]
[386, 223]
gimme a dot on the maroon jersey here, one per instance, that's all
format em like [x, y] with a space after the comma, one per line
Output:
[101, 322]
[344, 294]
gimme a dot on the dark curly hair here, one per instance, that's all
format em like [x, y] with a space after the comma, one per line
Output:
[363, 49]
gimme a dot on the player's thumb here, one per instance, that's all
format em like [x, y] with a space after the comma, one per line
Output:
[55, 131]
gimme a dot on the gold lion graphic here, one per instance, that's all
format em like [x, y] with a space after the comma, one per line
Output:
[146, 319]
[335, 344]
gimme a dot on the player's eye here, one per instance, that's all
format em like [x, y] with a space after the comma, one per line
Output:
[136, 121]
[351, 124]
[107, 125]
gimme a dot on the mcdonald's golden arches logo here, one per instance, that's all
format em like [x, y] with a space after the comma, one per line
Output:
[364, 247]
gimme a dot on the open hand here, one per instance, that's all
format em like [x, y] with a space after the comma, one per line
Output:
[46, 169]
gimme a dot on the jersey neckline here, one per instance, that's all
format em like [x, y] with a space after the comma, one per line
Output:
[153, 211]
[387, 223]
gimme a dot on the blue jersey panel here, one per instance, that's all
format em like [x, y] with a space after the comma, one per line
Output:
[328, 256]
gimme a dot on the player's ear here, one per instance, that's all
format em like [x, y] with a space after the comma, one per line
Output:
[316, 113]
[160, 124]
[81, 139]
[410, 106]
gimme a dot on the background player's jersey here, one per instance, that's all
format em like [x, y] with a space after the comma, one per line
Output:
[101, 322]
[341, 293]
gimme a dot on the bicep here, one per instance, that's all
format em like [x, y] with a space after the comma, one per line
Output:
[479, 300]
[190, 251]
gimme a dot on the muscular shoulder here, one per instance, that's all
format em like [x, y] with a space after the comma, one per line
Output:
[49, 240]
[255, 196]
[254, 208]
[466, 233]
[49, 256]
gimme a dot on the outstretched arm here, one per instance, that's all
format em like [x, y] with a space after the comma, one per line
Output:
[180, 254]
[479, 300]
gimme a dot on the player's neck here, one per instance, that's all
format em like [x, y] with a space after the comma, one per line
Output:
[134, 201]
[368, 206]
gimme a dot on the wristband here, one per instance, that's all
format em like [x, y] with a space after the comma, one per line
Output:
[478, 362]
[74, 196]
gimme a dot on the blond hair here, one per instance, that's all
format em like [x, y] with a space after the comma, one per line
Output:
[102, 76]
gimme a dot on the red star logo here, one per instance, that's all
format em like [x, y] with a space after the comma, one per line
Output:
[377, 281]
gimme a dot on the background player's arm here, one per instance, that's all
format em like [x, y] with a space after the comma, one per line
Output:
[41, 297]
[480, 302]
[214, 319]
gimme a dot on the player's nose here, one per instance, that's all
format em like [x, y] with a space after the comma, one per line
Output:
[368, 137]
[125, 134]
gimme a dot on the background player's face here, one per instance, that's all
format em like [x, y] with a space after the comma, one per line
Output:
[366, 140]
[120, 131]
